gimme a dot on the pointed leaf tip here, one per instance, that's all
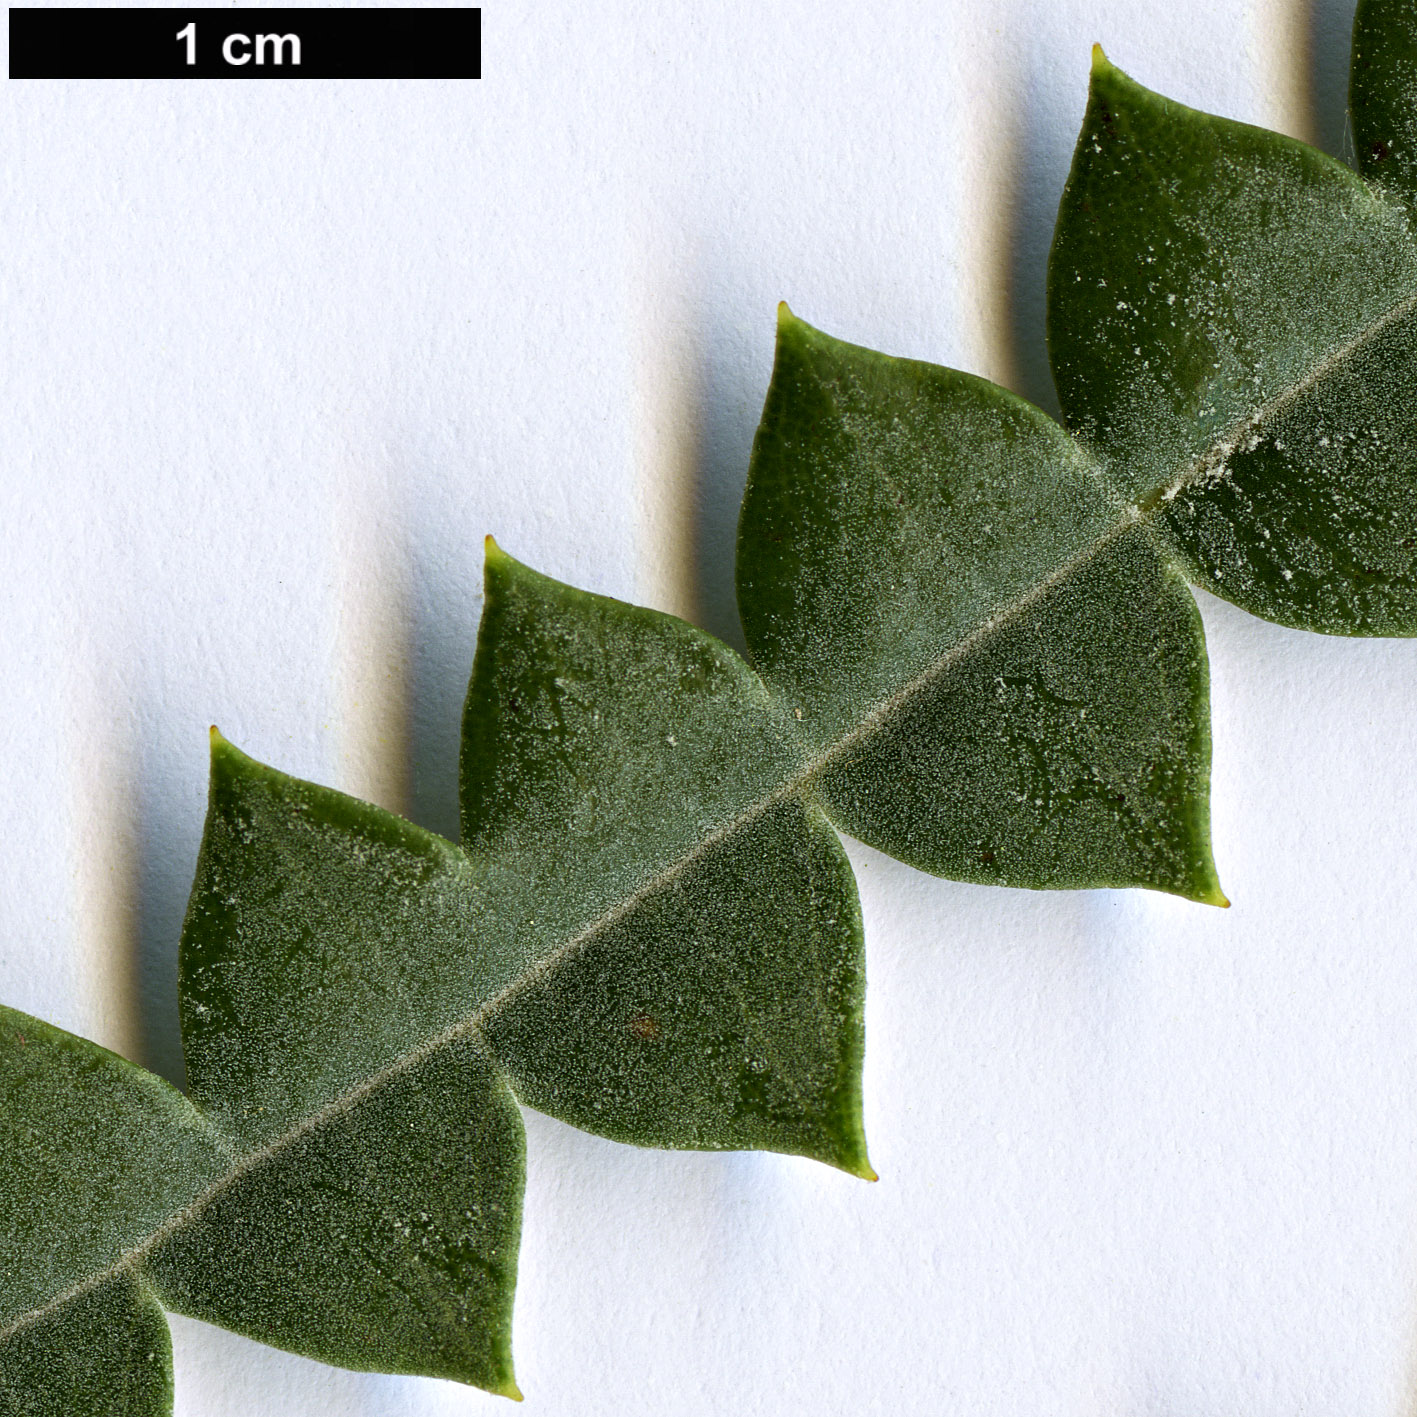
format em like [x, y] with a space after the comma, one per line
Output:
[1207, 890]
[1116, 86]
[221, 754]
[496, 563]
[795, 332]
[224, 753]
[850, 1154]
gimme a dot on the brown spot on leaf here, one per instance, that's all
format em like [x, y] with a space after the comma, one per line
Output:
[643, 1026]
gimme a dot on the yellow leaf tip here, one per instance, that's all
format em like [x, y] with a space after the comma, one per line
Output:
[1100, 62]
[220, 744]
[226, 757]
[510, 1389]
[492, 554]
[1211, 894]
[858, 1166]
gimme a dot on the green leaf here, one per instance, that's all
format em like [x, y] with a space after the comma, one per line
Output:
[998, 675]
[656, 945]
[1232, 321]
[356, 1188]
[328, 988]
[310, 909]
[380, 1233]
[105, 1350]
[971, 644]
[96, 1156]
[698, 977]
[1383, 94]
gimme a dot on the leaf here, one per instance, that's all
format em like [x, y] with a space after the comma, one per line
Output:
[359, 996]
[358, 1190]
[971, 645]
[105, 1350]
[998, 676]
[95, 1157]
[1383, 95]
[1232, 320]
[693, 941]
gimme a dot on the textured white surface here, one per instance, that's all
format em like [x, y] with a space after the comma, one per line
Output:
[277, 355]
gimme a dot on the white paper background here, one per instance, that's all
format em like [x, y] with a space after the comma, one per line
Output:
[277, 355]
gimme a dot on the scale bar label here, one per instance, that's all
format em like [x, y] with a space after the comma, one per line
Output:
[245, 44]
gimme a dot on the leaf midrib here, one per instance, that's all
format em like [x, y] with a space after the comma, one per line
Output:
[1200, 468]
[1204, 466]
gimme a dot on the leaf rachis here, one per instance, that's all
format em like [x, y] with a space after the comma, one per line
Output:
[970, 643]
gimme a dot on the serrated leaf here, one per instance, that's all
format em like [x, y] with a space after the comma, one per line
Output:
[1232, 320]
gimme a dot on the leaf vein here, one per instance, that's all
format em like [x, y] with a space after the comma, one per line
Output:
[1207, 466]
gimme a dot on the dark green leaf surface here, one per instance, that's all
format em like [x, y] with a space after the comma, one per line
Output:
[1383, 94]
[1233, 323]
[351, 1186]
[330, 975]
[972, 645]
[324, 938]
[95, 1157]
[999, 676]
[605, 738]
[380, 1235]
[106, 1350]
[725, 1012]
[701, 981]
[666, 952]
